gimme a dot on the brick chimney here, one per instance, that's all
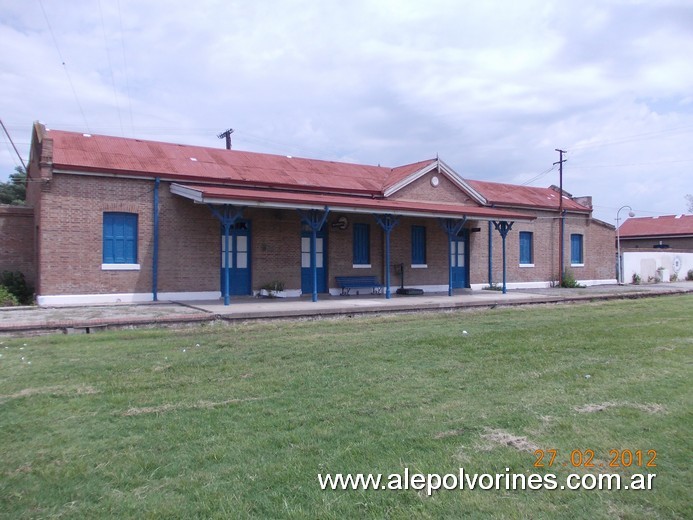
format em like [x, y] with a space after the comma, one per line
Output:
[584, 201]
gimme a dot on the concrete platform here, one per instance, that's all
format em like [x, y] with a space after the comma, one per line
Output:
[21, 321]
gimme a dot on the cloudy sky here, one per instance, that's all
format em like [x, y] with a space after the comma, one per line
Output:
[492, 87]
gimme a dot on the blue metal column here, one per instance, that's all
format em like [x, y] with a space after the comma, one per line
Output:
[227, 267]
[155, 252]
[314, 219]
[387, 222]
[314, 263]
[562, 252]
[503, 228]
[452, 227]
[490, 254]
[228, 217]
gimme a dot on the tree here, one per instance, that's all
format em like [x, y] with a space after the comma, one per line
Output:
[689, 198]
[14, 190]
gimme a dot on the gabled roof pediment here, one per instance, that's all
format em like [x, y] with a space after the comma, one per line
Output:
[405, 175]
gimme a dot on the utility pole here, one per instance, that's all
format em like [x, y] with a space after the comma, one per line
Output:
[227, 134]
[561, 224]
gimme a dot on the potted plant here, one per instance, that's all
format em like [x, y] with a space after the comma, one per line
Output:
[273, 289]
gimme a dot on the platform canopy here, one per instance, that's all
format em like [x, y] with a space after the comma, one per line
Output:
[205, 194]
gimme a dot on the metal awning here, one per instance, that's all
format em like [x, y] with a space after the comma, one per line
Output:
[215, 195]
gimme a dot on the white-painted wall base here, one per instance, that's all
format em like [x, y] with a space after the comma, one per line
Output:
[92, 299]
[646, 263]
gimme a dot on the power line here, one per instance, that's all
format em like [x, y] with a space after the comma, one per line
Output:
[636, 210]
[125, 68]
[539, 176]
[13, 146]
[582, 166]
[10, 152]
[62, 60]
[110, 67]
[634, 137]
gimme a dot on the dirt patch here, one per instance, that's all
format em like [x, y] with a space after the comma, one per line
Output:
[449, 433]
[51, 390]
[170, 407]
[546, 422]
[646, 407]
[649, 407]
[591, 408]
[24, 468]
[508, 439]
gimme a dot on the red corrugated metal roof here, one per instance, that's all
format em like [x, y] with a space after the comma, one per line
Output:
[83, 152]
[74, 151]
[402, 172]
[214, 194]
[523, 196]
[668, 225]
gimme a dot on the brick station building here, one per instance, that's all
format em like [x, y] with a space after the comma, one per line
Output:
[123, 220]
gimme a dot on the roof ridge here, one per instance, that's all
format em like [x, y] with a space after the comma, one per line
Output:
[222, 150]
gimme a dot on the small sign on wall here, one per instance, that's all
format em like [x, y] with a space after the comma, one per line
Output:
[341, 223]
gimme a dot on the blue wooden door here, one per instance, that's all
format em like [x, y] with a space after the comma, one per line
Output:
[459, 263]
[239, 258]
[320, 262]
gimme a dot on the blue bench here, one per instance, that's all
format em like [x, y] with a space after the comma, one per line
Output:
[346, 283]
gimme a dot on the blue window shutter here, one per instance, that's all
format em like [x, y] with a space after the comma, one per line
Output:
[576, 253]
[418, 245]
[362, 245]
[119, 238]
[526, 247]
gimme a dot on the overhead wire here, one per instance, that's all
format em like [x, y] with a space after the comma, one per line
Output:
[582, 166]
[9, 149]
[110, 68]
[125, 68]
[9, 137]
[631, 138]
[539, 176]
[62, 61]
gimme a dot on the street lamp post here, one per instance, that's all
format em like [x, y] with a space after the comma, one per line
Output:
[618, 242]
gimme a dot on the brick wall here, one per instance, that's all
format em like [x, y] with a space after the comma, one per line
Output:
[599, 247]
[436, 270]
[675, 243]
[189, 244]
[70, 234]
[598, 252]
[341, 249]
[276, 247]
[70, 243]
[17, 241]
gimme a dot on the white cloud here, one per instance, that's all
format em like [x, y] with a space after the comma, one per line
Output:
[492, 87]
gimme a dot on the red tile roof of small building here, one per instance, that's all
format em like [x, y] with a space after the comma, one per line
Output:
[500, 194]
[668, 225]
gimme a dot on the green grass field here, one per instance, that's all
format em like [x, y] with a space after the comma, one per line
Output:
[238, 421]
